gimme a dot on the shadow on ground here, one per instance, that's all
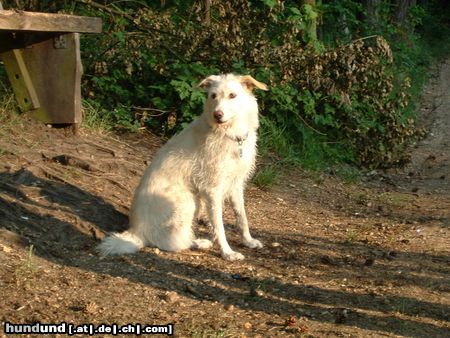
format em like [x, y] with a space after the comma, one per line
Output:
[62, 222]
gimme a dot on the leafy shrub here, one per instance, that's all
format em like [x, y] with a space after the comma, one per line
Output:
[348, 102]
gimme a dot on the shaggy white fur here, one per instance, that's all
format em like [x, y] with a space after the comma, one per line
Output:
[208, 162]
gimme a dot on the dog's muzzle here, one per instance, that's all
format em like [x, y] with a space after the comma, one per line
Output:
[218, 116]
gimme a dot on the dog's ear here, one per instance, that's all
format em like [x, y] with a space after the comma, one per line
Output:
[207, 82]
[250, 83]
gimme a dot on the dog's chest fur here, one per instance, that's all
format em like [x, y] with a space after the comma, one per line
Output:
[222, 160]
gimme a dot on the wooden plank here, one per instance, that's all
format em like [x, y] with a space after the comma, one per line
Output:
[46, 22]
[20, 80]
[46, 79]
[56, 75]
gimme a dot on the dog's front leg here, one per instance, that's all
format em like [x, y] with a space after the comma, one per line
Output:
[237, 200]
[214, 204]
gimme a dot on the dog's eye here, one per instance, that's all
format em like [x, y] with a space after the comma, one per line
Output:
[232, 95]
[213, 95]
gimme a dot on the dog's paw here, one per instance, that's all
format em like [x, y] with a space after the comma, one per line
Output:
[253, 244]
[202, 244]
[232, 256]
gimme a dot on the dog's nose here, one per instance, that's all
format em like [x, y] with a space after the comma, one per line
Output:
[218, 114]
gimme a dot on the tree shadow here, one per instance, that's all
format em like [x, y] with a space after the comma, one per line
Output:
[406, 268]
[69, 243]
[59, 196]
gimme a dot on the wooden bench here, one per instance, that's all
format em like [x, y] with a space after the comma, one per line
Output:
[41, 54]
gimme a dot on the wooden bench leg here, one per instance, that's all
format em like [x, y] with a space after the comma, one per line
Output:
[20, 79]
[46, 78]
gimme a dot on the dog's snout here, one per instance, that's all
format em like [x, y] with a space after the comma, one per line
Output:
[218, 115]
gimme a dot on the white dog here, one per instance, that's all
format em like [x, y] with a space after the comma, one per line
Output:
[207, 163]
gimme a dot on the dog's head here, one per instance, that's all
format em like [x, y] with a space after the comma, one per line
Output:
[230, 100]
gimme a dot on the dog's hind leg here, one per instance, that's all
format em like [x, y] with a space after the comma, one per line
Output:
[200, 243]
[237, 201]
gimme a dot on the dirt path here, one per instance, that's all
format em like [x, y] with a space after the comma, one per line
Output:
[345, 260]
[429, 169]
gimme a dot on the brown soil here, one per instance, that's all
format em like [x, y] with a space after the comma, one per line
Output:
[350, 260]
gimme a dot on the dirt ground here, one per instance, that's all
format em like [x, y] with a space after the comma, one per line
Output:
[366, 259]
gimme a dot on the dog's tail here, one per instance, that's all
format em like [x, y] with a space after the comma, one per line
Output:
[120, 243]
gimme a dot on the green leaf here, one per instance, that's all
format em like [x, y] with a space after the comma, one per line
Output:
[270, 3]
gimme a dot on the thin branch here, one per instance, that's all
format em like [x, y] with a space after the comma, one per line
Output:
[360, 39]
[152, 109]
[105, 8]
[208, 12]
[148, 29]
[161, 112]
[309, 126]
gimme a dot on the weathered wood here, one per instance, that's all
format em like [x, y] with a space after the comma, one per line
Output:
[46, 22]
[41, 53]
[54, 72]
[56, 75]
[20, 80]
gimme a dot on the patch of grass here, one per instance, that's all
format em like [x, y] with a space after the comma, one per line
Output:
[27, 267]
[209, 334]
[305, 148]
[366, 227]
[405, 307]
[395, 199]
[352, 236]
[69, 173]
[101, 120]
[275, 142]
[3, 151]
[194, 330]
[8, 110]
[266, 177]
[361, 198]
[257, 288]
[347, 173]
[94, 119]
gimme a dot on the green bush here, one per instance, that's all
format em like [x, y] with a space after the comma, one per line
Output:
[343, 97]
